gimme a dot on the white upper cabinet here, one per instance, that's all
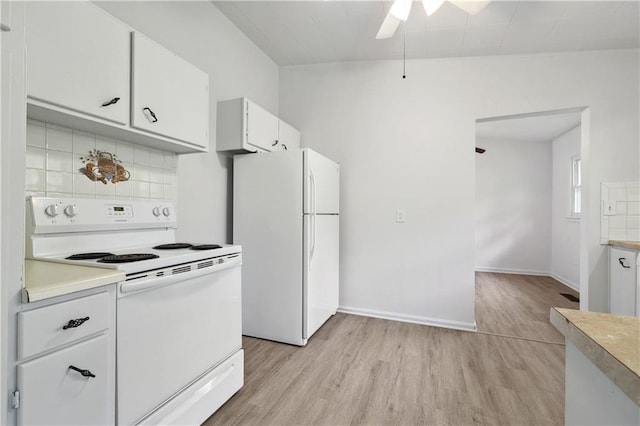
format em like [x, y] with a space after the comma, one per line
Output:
[288, 137]
[243, 125]
[85, 70]
[78, 58]
[261, 126]
[170, 96]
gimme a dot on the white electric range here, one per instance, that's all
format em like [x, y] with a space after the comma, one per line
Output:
[178, 317]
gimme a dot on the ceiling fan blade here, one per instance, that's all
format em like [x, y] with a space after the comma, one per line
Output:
[472, 7]
[388, 27]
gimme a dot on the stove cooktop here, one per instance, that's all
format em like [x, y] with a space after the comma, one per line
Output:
[126, 258]
[136, 259]
[176, 246]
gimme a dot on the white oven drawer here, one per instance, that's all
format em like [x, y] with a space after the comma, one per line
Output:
[55, 325]
[204, 397]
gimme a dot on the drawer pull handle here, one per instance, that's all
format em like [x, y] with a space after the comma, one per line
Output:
[621, 261]
[75, 323]
[275, 143]
[111, 102]
[85, 373]
[148, 113]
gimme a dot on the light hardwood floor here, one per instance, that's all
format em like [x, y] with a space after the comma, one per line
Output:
[518, 305]
[366, 371]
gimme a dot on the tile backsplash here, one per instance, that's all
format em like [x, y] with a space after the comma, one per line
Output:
[620, 212]
[63, 162]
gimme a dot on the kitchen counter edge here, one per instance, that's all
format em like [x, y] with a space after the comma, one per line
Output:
[609, 341]
[44, 280]
[632, 245]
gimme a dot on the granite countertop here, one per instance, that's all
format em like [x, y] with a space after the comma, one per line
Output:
[611, 342]
[633, 245]
[43, 280]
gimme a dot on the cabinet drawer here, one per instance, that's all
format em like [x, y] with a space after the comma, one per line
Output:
[49, 327]
[54, 394]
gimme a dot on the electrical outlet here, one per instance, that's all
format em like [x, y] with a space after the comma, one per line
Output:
[401, 216]
[608, 208]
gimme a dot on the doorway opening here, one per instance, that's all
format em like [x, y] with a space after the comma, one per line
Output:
[529, 216]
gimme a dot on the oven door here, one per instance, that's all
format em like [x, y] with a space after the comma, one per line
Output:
[169, 335]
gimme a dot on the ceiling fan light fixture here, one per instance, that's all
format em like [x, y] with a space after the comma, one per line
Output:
[401, 8]
[430, 6]
[472, 7]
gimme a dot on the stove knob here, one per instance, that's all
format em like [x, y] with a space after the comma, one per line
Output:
[71, 210]
[156, 211]
[51, 210]
[166, 211]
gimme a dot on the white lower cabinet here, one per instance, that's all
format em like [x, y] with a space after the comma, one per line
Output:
[53, 392]
[623, 291]
[66, 361]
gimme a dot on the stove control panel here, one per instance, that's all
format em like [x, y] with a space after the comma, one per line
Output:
[51, 215]
[119, 211]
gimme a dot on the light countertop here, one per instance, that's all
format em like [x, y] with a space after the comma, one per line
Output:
[49, 279]
[611, 342]
[633, 245]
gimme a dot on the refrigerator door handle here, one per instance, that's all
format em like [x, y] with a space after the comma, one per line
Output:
[312, 183]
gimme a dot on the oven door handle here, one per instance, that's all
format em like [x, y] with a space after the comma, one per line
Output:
[156, 282]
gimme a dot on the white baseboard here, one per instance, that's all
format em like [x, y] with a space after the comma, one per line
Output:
[512, 271]
[414, 319]
[566, 282]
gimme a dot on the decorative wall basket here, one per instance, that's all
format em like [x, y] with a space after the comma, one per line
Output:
[102, 166]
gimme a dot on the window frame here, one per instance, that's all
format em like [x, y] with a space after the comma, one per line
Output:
[575, 187]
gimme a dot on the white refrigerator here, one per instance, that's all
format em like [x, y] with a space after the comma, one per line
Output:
[286, 217]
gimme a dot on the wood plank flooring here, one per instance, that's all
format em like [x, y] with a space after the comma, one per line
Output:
[366, 371]
[518, 305]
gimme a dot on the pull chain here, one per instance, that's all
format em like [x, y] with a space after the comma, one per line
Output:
[404, 50]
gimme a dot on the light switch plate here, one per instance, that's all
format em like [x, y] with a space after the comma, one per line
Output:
[401, 216]
[608, 208]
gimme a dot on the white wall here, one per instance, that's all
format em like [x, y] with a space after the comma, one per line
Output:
[409, 143]
[201, 34]
[565, 231]
[513, 206]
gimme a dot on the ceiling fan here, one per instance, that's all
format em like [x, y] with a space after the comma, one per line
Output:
[400, 12]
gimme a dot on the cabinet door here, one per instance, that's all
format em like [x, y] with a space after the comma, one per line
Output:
[54, 394]
[261, 127]
[170, 96]
[78, 58]
[288, 136]
[622, 282]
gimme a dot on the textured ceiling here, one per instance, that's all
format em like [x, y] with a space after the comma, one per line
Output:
[307, 32]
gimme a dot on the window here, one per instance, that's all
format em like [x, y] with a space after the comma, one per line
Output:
[576, 186]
